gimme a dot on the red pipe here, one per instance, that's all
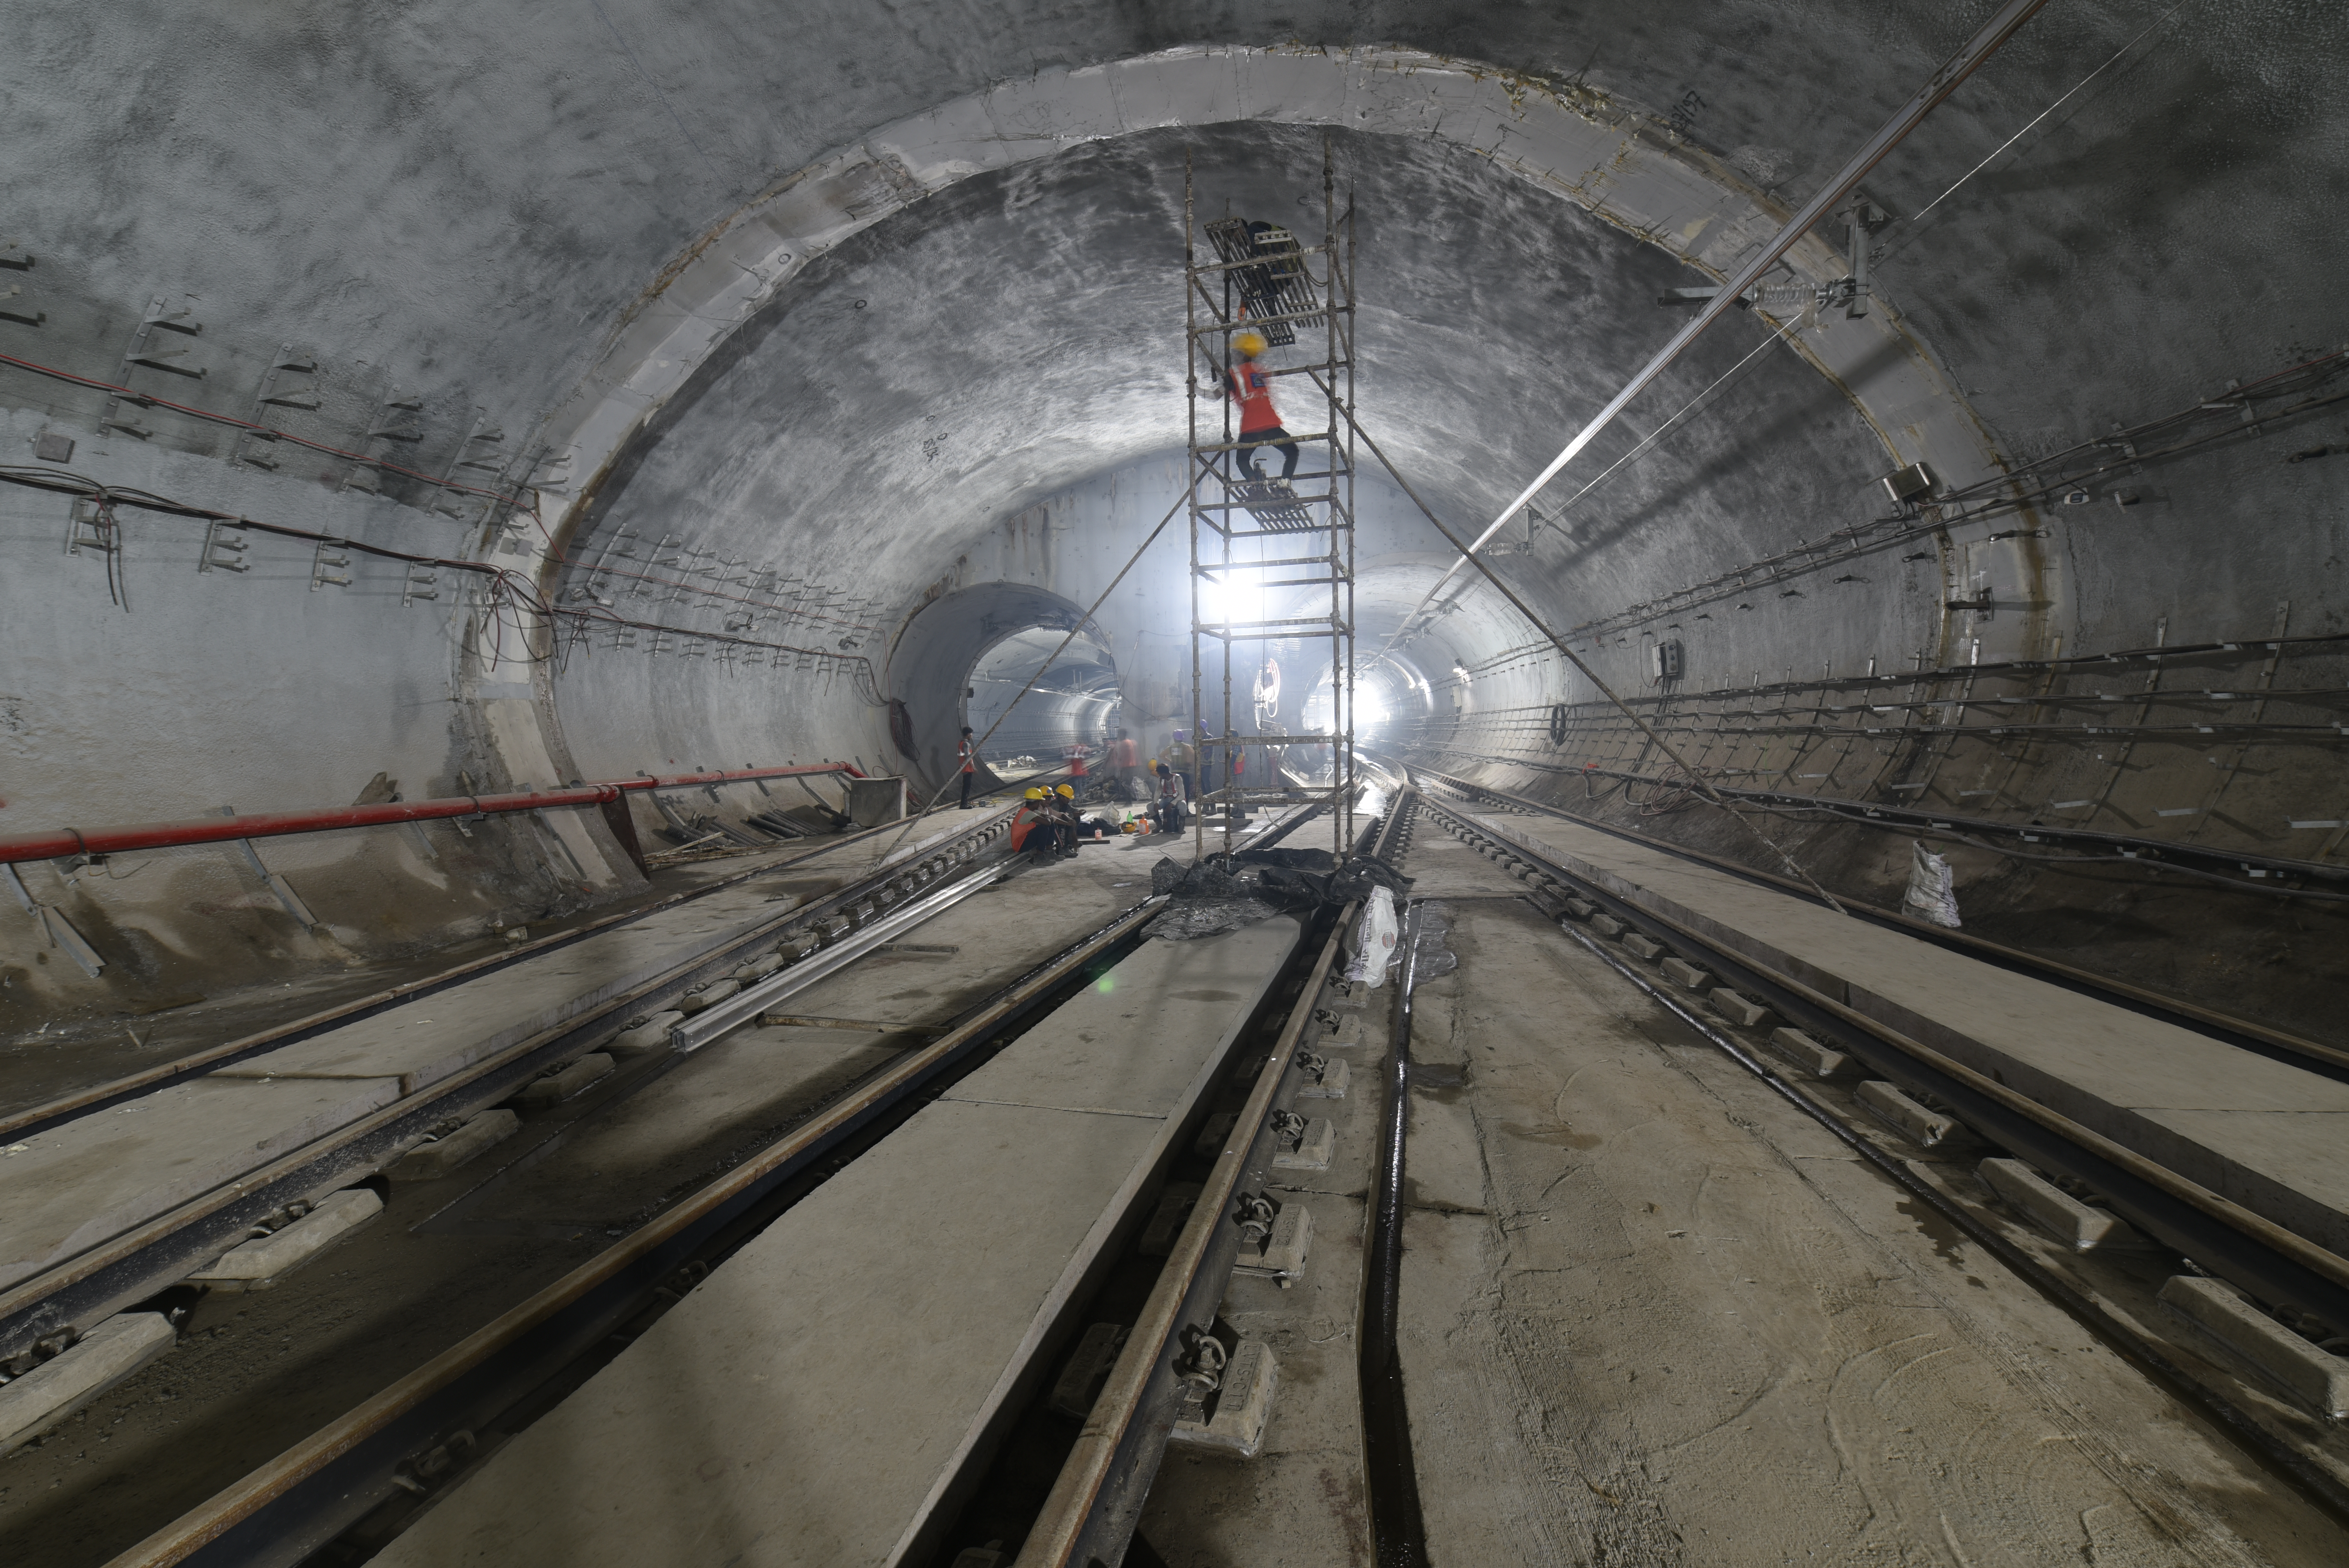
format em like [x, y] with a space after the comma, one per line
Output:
[65, 842]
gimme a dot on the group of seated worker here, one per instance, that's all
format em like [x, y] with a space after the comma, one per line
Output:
[1050, 821]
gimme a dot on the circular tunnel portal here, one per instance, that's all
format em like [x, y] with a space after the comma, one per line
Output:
[965, 658]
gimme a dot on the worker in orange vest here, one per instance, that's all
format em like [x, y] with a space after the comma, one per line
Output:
[1247, 385]
[1034, 817]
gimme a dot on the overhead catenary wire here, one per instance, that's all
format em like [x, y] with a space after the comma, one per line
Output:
[2051, 108]
[1647, 445]
[1712, 795]
[1986, 40]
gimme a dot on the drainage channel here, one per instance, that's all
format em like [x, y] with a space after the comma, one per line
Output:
[344, 1494]
[1398, 1531]
[2233, 1380]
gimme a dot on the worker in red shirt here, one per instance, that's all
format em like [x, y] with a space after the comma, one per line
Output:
[1126, 757]
[1247, 385]
[968, 758]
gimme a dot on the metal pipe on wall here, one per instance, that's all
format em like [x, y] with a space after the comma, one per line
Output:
[63, 842]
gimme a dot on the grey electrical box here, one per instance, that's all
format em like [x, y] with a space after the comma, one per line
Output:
[1664, 661]
[1913, 483]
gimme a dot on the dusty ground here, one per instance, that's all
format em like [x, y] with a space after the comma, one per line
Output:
[1651, 1314]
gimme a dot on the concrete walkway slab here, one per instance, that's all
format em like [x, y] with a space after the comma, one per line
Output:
[72, 1188]
[2268, 1135]
[809, 1402]
[442, 1034]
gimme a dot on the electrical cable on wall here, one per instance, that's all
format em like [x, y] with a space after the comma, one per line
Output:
[523, 501]
[510, 601]
[1713, 797]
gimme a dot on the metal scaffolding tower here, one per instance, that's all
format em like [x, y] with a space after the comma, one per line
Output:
[1272, 560]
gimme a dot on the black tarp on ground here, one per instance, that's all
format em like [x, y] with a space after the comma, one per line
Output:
[1227, 892]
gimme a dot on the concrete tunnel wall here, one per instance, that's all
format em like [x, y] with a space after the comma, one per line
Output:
[582, 259]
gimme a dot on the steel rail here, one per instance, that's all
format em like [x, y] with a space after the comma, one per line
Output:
[98, 1096]
[2304, 1274]
[745, 1006]
[921, 1065]
[2147, 1353]
[1072, 1528]
[162, 1249]
[2136, 996]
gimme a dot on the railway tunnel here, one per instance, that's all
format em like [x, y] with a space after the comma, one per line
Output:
[1749, 969]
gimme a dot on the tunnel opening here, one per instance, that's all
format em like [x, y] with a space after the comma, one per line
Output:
[1033, 708]
[964, 658]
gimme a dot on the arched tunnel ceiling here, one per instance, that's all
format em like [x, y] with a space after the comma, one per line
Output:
[1019, 332]
[493, 206]
[477, 192]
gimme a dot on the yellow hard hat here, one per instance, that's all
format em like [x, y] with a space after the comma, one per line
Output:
[1249, 344]
[1035, 795]
[1068, 791]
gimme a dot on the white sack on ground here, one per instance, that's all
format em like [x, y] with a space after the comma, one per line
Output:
[1374, 939]
[1932, 894]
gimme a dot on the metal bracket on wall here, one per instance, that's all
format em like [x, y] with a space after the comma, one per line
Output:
[389, 424]
[224, 547]
[455, 503]
[90, 525]
[55, 927]
[328, 556]
[113, 417]
[16, 307]
[422, 583]
[259, 448]
[286, 896]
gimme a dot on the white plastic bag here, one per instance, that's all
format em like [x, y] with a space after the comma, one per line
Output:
[1374, 939]
[1932, 893]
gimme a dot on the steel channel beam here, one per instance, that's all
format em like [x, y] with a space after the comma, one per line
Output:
[161, 1251]
[347, 1464]
[2216, 1232]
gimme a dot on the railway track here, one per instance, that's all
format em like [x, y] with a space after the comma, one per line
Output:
[1986, 1157]
[356, 1484]
[353, 1484]
[170, 1233]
